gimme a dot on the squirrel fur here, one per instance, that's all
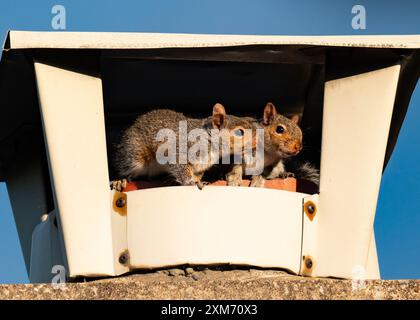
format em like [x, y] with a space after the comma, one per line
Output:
[136, 151]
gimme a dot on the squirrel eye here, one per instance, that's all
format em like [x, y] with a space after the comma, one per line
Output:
[280, 129]
[238, 132]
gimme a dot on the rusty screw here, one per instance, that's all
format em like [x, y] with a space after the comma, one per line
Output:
[311, 208]
[120, 202]
[124, 257]
[308, 263]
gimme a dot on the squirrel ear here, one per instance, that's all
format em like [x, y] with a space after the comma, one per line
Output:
[295, 118]
[270, 113]
[218, 119]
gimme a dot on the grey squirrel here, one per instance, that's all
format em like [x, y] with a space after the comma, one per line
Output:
[136, 153]
[282, 141]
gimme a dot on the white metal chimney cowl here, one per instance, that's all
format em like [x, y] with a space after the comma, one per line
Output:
[65, 96]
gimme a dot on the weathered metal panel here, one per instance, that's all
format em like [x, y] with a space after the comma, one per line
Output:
[236, 225]
[73, 121]
[119, 40]
[357, 115]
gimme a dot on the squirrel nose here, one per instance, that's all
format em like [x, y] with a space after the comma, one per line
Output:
[296, 146]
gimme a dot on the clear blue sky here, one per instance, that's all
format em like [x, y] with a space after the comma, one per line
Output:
[397, 222]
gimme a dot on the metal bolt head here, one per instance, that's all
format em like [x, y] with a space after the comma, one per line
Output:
[311, 208]
[308, 263]
[120, 202]
[124, 257]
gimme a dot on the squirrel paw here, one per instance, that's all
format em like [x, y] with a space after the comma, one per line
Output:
[257, 182]
[285, 175]
[233, 180]
[118, 185]
[201, 184]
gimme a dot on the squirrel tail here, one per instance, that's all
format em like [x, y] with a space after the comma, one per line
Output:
[305, 171]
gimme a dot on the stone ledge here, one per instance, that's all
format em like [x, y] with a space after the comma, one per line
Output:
[211, 284]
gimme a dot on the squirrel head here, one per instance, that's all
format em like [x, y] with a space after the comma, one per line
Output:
[282, 135]
[239, 131]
